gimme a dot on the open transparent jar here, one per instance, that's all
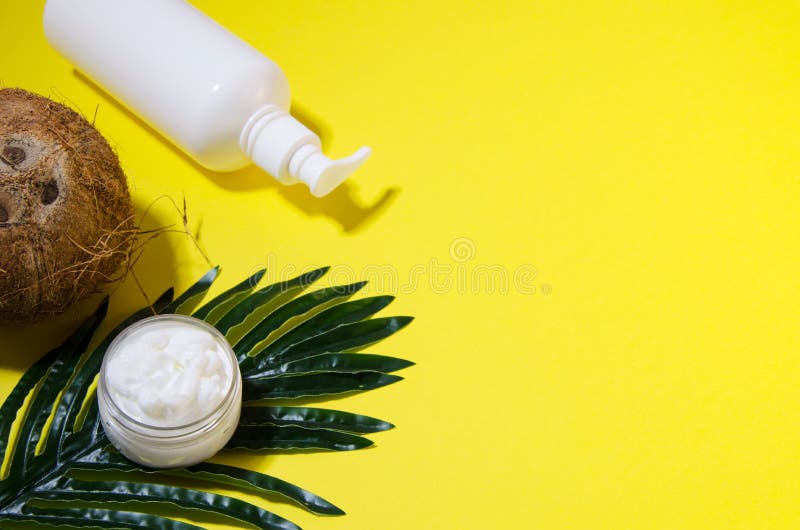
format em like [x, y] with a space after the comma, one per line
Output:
[166, 443]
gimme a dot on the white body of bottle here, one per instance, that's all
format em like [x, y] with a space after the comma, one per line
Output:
[216, 97]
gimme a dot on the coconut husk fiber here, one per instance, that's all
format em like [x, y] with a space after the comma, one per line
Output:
[66, 217]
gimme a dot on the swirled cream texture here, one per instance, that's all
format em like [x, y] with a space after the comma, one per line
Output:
[168, 375]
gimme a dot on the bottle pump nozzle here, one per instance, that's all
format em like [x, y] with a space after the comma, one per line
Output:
[320, 173]
[291, 152]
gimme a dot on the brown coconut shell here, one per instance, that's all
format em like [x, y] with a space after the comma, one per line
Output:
[66, 217]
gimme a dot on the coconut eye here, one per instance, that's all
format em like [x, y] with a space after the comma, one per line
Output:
[50, 192]
[13, 155]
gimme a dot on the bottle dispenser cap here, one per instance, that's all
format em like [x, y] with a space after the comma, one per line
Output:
[291, 152]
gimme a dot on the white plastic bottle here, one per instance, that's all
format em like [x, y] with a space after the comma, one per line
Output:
[216, 97]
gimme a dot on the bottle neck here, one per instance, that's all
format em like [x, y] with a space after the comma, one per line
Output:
[271, 137]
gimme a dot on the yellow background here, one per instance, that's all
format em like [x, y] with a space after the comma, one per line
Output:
[638, 162]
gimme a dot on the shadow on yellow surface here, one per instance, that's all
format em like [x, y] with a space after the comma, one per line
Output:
[341, 205]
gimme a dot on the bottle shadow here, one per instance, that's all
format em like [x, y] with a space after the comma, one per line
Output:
[342, 205]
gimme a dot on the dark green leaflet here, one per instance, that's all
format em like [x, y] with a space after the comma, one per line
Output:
[96, 518]
[323, 384]
[312, 418]
[335, 362]
[69, 489]
[311, 354]
[217, 474]
[212, 311]
[186, 301]
[290, 437]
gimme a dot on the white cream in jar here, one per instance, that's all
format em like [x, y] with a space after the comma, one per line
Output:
[169, 391]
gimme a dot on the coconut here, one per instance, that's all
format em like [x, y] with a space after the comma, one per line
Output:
[66, 217]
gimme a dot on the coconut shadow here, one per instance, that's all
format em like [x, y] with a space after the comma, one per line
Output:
[342, 205]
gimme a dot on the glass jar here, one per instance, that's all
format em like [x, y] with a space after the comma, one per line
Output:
[166, 445]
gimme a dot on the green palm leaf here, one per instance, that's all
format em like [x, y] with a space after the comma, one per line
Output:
[60, 469]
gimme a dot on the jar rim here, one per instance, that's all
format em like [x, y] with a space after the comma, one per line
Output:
[170, 430]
